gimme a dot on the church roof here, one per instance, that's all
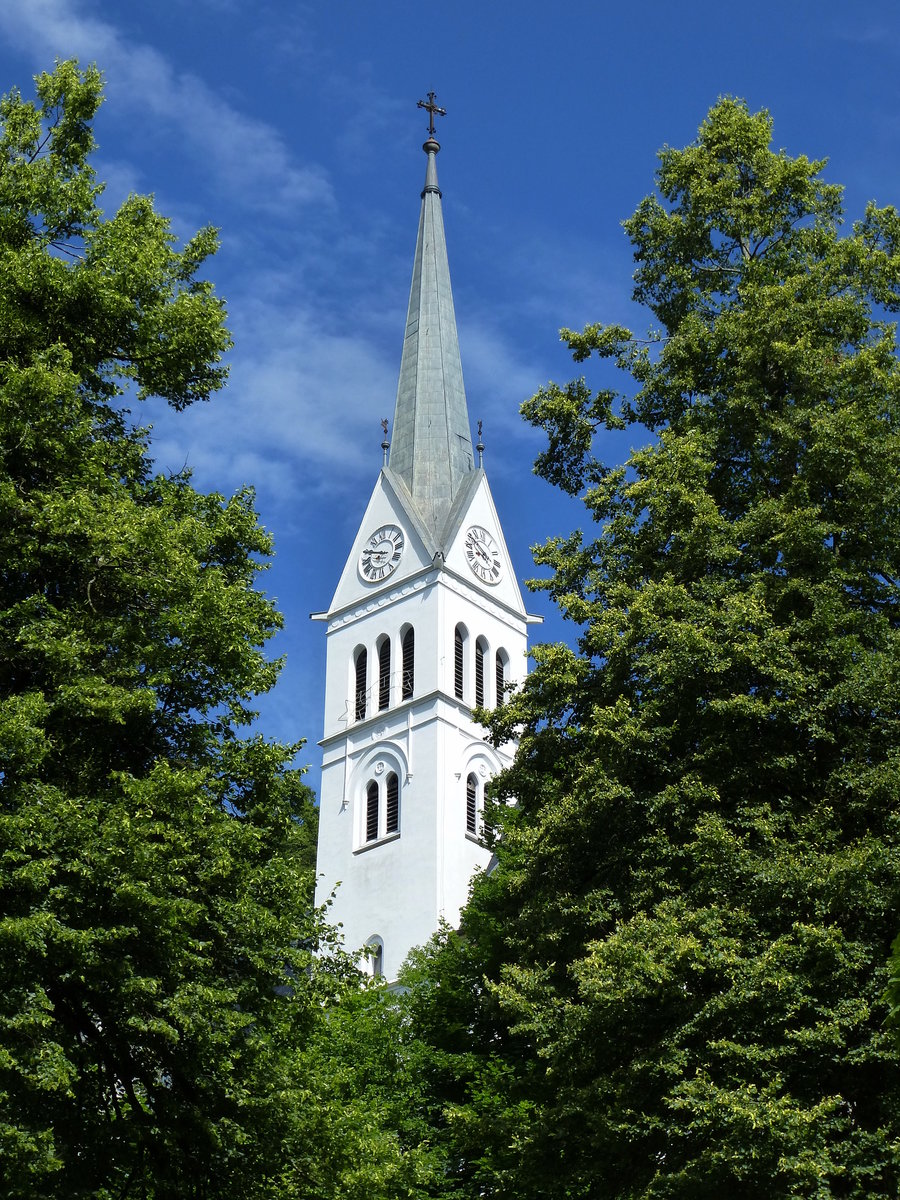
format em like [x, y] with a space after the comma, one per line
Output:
[431, 443]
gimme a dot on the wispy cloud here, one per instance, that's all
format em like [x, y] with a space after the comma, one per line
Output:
[858, 30]
[248, 156]
[294, 416]
[300, 416]
[316, 320]
[498, 379]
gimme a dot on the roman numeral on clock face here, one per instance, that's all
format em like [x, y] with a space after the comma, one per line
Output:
[483, 554]
[381, 553]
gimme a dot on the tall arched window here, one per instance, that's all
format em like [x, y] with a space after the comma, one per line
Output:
[481, 652]
[409, 664]
[381, 811]
[371, 811]
[471, 804]
[458, 663]
[374, 960]
[392, 823]
[501, 662]
[384, 673]
[361, 668]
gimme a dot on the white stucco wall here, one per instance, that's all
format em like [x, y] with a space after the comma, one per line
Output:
[398, 888]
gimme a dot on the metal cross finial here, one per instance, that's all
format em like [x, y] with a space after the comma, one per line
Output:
[385, 444]
[432, 109]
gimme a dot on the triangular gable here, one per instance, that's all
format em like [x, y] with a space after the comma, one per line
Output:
[476, 507]
[387, 506]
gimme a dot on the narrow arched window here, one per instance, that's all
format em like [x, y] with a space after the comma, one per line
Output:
[361, 668]
[393, 804]
[409, 664]
[471, 804]
[384, 673]
[481, 652]
[458, 674]
[371, 811]
[500, 676]
[377, 960]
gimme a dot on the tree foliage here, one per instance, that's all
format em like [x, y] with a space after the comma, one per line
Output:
[156, 924]
[673, 985]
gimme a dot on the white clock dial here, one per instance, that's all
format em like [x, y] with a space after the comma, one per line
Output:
[483, 555]
[381, 553]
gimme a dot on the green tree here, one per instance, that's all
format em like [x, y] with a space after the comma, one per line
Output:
[677, 972]
[157, 974]
[374, 1103]
[893, 990]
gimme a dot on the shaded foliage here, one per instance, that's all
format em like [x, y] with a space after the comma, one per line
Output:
[157, 933]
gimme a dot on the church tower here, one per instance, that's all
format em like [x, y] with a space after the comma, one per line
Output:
[427, 622]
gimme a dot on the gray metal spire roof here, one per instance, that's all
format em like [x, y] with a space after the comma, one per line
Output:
[431, 443]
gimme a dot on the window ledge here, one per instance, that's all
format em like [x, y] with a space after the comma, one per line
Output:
[477, 839]
[388, 837]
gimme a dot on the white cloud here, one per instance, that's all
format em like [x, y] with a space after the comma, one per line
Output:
[317, 329]
[497, 378]
[246, 155]
[299, 417]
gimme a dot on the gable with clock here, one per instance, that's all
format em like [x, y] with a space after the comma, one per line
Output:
[426, 623]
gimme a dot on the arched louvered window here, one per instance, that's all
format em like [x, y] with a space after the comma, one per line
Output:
[500, 663]
[393, 804]
[361, 668]
[458, 662]
[471, 804]
[409, 664]
[384, 674]
[481, 652]
[377, 960]
[371, 811]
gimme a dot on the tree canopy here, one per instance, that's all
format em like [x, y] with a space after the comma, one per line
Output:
[673, 984]
[156, 923]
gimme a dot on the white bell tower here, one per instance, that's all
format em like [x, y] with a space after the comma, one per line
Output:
[426, 623]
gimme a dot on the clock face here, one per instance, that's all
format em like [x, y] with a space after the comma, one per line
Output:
[483, 555]
[381, 553]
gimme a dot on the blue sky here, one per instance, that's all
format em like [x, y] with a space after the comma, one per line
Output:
[293, 128]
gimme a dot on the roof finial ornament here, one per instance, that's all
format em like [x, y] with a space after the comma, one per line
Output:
[432, 146]
[480, 447]
[432, 109]
[385, 444]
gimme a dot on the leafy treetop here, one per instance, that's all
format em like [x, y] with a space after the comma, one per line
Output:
[674, 980]
[157, 937]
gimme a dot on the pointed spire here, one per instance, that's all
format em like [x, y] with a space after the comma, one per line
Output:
[431, 443]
